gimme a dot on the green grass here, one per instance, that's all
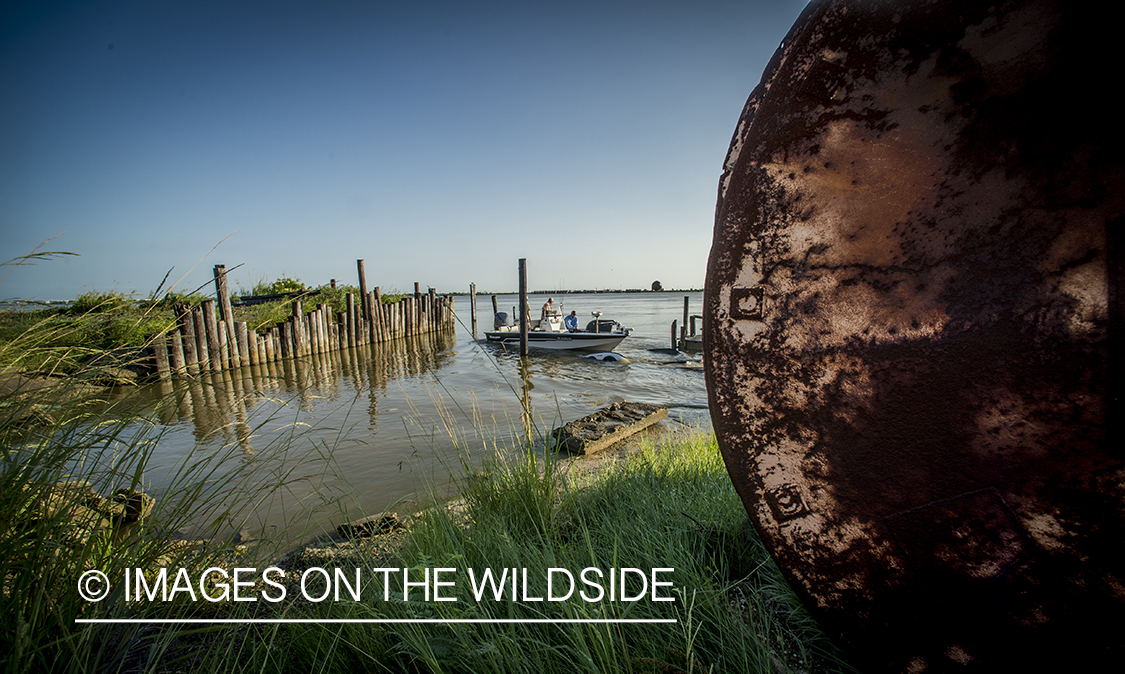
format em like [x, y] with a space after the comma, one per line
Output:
[60, 341]
[671, 506]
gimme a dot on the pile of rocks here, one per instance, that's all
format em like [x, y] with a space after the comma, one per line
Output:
[79, 513]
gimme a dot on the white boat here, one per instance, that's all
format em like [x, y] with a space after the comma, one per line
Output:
[550, 333]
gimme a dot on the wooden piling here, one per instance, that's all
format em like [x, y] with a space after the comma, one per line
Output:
[176, 354]
[295, 331]
[432, 304]
[214, 354]
[158, 348]
[206, 341]
[226, 313]
[242, 337]
[350, 319]
[287, 340]
[523, 306]
[473, 307]
[362, 287]
[674, 343]
[201, 350]
[187, 330]
[224, 346]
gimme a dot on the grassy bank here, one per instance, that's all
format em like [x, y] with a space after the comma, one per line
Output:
[669, 507]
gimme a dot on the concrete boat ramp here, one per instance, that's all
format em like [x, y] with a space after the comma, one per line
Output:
[608, 426]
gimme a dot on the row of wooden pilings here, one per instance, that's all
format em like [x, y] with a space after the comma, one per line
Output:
[212, 340]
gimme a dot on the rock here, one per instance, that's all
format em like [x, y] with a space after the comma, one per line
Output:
[370, 526]
[137, 505]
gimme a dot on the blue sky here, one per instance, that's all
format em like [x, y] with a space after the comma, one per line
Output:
[438, 141]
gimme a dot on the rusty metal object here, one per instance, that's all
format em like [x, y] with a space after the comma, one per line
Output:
[912, 329]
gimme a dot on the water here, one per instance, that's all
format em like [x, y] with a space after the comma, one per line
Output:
[377, 427]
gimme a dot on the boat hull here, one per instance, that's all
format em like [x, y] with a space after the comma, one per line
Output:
[572, 341]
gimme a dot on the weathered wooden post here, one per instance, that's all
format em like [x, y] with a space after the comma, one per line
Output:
[201, 348]
[214, 355]
[287, 339]
[158, 347]
[495, 308]
[380, 314]
[222, 294]
[351, 319]
[242, 336]
[187, 329]
[362, 288]
[224, 345]
[473, 307]
[674, 344]
[431, 311]
[176, 353]
[523, 306]
[683, 325]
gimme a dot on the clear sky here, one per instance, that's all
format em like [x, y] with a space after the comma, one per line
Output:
[439, 141]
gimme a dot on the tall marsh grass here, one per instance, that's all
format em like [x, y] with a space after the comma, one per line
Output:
[669, 506]
[66, 449]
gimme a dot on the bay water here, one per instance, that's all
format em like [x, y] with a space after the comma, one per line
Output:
[388, 427]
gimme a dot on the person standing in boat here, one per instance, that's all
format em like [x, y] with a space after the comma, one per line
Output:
[548, 308]
[571, 322]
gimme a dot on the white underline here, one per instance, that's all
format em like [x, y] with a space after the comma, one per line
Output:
[200, 621]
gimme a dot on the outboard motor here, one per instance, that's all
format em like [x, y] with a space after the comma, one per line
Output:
[601, 325]
[500, 320]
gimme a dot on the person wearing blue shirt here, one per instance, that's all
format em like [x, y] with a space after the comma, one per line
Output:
[571, 322]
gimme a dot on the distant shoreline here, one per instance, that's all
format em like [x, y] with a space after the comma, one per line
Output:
[581, 292]
[6, 305]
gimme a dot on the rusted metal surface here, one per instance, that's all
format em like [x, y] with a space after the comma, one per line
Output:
[912, 329]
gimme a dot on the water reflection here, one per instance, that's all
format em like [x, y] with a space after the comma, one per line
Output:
[525, 398]
[220, 403]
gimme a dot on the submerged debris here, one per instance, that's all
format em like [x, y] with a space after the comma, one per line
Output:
[595, 432]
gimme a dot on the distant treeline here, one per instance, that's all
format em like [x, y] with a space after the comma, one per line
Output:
[606, 291]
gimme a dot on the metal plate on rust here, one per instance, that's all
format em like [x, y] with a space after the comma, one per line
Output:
[913, 331]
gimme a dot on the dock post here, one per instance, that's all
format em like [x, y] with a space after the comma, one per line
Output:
[214, 355]
[683, 325]
[222, 294]
[362, 290]
[158, 348]
[473, 307]
[523, 306]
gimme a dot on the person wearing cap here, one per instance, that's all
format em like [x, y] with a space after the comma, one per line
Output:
[547, 308]
[571, 322]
